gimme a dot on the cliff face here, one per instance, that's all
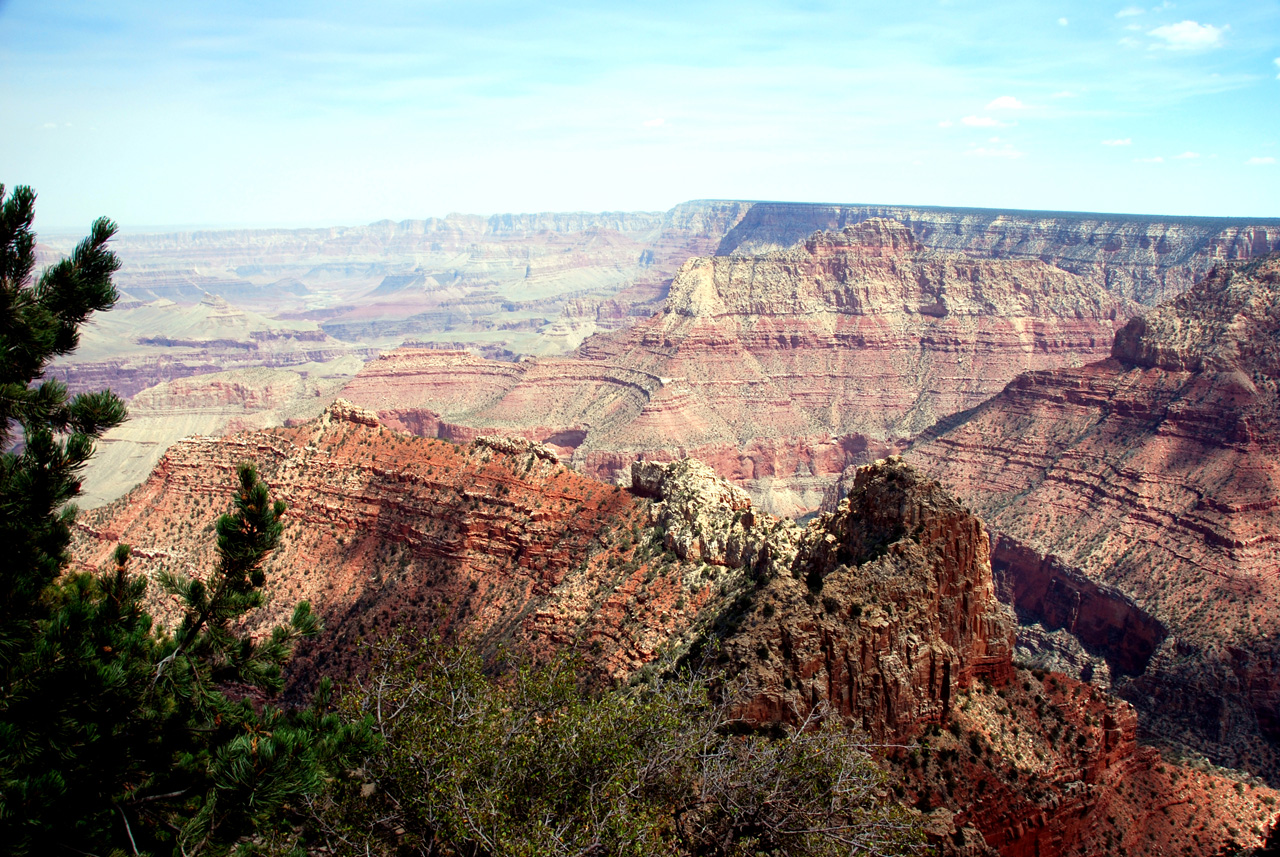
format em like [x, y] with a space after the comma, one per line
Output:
[777, 370]
[387, 531]
[1143, 258]
[885, 611]
[888, 612]
[1154, 473]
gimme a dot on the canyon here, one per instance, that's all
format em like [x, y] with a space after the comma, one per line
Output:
[882, 612]
[537, 284]
[1101, 390]
[779, 370]
[1138, 505]
[1140, 257]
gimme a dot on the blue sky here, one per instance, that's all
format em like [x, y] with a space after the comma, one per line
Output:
[261, 113]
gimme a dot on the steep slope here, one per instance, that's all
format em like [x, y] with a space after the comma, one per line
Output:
[1138, 500]
[779, 370]
[1141, 257]
[499, 541]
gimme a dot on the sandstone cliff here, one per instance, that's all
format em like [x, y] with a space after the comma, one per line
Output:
[1153, 475]
[778, 370]
[1141, 257]
[885, 611]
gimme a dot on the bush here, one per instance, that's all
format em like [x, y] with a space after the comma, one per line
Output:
[536, 763]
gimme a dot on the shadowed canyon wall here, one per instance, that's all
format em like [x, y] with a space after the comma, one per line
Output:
[1154, 473]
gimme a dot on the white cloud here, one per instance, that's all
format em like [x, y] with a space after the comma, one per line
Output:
[50, 125]
[945, 123]
[1190, 35]
[1122, 141]
[1006, 102]
[1129, 12]
[984, 152]
[654, 123]
[1278, 66]
[1156, 160]
[983, 122]
[1186, 156]
[1062, 22]
[1260, 162]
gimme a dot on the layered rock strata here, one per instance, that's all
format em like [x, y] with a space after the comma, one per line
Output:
[1143, 258]
[777, 370]
[211, 404]
[887, 612]
[1153, 473]
[883, 613]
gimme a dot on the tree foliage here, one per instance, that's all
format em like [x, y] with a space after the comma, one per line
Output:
[115, 736]
[535, 763]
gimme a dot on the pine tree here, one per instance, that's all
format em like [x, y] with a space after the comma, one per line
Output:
[116, 737]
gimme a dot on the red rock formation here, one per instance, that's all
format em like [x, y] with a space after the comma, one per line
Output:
[1048, 766]
[498, 541]
[778, 370]
[889, 611]
[1058, 596]
[1155, 472]
[387, 531]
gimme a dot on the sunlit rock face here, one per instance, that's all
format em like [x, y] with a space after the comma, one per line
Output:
[882, 614]
[1144, 258]
[777, 370]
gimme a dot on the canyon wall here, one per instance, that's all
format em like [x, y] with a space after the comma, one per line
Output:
[882, 614]
[1145, 258]
[778, 370]
[1154, 473]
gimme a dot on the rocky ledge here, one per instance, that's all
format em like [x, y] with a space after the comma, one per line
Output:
[882, 613]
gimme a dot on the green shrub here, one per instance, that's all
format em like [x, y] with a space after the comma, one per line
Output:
[535, 763]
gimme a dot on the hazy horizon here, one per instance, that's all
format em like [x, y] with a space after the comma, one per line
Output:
[77, 232]
[284, 116]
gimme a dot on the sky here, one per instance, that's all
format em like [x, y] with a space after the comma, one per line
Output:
[181, 114]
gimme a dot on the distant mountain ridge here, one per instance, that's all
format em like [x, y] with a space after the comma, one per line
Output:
[1146, 258]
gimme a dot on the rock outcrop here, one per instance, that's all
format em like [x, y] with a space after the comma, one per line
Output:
[888, 612]
[1152, 474]
[883, 614]
[777, 370]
